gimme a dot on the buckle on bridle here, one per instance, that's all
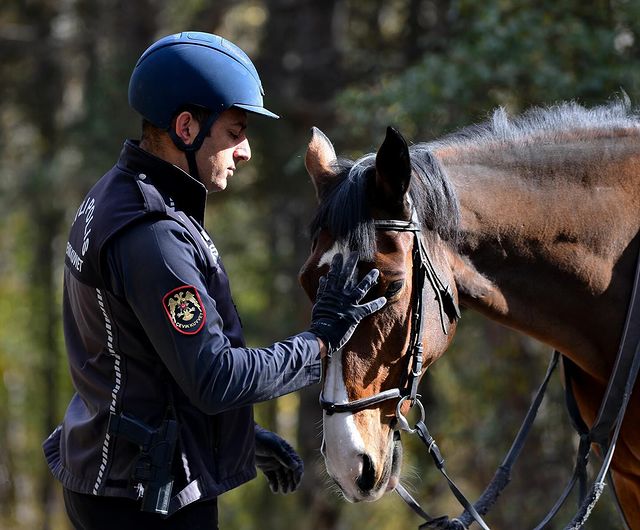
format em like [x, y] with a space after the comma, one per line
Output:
[403, 423]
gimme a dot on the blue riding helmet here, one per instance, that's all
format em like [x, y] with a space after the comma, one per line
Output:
[194, 68]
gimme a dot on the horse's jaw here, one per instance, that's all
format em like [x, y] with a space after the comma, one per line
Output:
[360, 475]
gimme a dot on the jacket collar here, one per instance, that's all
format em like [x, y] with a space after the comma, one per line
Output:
[188, 194]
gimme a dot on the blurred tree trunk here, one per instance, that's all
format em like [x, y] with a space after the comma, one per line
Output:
[7, 488]
[300, 67]
[45, 215]
[46, 326]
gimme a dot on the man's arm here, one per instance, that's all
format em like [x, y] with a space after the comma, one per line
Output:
[149, 263]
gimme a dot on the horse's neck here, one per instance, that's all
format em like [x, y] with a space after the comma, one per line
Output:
[548, 243]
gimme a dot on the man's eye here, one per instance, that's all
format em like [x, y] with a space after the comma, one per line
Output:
[394, 288]
[234, 136]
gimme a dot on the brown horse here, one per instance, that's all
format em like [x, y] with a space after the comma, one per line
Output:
[533, 221]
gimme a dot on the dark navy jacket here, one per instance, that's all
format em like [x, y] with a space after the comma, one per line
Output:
[149, 320]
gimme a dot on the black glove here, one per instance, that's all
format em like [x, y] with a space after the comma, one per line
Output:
[336, 312]
[278, 461]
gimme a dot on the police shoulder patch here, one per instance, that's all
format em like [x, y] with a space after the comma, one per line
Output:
[184, 309]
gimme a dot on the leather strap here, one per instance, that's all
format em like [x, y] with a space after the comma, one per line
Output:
[502, 476]
[423, 270]
[432, 523]
[359, 404]
[605, 430]
[438, 460]
[439, 523]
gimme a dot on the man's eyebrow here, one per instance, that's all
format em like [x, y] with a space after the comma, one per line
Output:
[241, 124]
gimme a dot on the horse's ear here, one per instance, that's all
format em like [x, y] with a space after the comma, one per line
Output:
[393, 169]
[320, 161]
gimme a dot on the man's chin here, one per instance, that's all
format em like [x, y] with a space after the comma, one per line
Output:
[218, 185]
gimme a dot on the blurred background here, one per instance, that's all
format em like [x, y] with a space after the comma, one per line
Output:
[351, 68]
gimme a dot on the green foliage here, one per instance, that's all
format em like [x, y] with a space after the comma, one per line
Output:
[501, 53]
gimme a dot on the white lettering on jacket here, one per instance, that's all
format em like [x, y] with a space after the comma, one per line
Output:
[76, 261]
[86, 208]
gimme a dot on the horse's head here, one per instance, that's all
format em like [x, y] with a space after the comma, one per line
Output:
[396, 211]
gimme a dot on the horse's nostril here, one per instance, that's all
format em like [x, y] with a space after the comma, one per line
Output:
[367, 480]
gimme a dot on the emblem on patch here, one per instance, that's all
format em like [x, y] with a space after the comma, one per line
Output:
[184, 309]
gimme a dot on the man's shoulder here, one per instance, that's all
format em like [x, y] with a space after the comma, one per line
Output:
[116, 190]
[158, 227]
[154, 237]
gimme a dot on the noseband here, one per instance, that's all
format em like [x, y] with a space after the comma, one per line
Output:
[423, 272]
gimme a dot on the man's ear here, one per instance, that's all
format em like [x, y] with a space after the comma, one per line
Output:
[186, 127]
[320, 161]
[393, 170]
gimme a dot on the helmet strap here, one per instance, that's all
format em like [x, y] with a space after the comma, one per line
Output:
[193, 166]
[191, 149]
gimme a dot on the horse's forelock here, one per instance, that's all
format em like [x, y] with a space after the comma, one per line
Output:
[344, 210]
[345, 213]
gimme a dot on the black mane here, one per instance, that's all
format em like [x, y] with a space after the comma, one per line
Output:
[345, 213]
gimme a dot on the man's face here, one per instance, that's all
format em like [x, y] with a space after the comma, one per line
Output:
[223, 149]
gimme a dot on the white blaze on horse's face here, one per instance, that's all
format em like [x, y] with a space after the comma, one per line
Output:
[342, 445]
[349, 442]
[327, 257]
[361, 454]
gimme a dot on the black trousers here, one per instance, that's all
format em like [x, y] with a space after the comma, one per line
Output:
[91, 512]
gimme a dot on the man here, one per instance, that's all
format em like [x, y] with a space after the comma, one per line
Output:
[161, 422]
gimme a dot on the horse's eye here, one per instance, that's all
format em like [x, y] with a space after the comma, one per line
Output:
[394, 288]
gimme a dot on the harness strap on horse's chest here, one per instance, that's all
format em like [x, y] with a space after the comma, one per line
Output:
[605, 429]
[622, 370]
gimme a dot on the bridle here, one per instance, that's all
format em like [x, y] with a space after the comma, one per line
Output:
[423, 273]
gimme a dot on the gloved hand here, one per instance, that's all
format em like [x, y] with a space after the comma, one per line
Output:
[337, 312]
[278, 461]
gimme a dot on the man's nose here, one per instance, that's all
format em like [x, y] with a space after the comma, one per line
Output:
[243, 151]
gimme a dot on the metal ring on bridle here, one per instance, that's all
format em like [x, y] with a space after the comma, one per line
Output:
[403, 424]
